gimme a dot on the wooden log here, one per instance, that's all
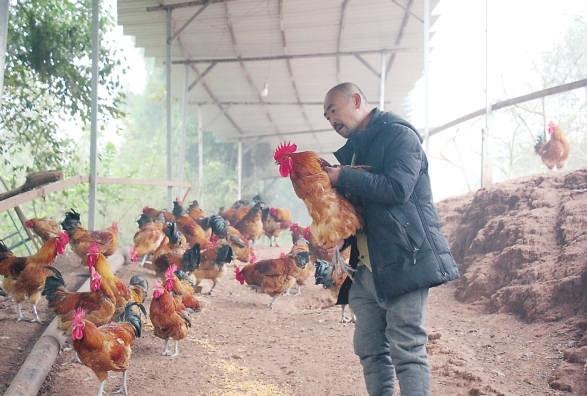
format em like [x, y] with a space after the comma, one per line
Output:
[33, 180]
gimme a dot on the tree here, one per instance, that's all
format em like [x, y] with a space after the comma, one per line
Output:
[47, 84]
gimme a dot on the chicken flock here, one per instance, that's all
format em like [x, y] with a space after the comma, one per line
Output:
[185, 248]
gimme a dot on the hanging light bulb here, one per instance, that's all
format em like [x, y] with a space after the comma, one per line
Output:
[265, 90]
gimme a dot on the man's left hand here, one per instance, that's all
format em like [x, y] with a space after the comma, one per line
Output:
[333, 174]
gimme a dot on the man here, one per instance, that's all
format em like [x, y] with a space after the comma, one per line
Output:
[400, 252]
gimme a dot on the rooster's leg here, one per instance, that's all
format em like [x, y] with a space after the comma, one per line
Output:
[299, 293]
[101, 388]
[124, 387]
[35, 314]
[143, 260]
[165, 351]
[19, 311]
[176, 349]
[213, 286]
[272, 301]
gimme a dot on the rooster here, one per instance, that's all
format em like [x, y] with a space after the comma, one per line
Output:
[183, 290]
[555, 151]
[147, 240]
[334, 217]
[116, 286]
[168, 317]
[211, 265]
[138, 287]
[81, 239]
[24, 277]
[108, 347]
[197, 232]
[274, 221]
[45, 228]
[195, 212]
[97, 303]
[273, 276]
[327, 276]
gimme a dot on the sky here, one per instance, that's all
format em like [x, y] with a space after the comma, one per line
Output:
[519, 32]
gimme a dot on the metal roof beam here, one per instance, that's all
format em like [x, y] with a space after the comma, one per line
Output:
[407, 12]
[201, 76]
[185, 25]
[244, 69]
[511, 102]
[268, 103]
[283, 134]
[367, 65]
[195, 3]
[298, 56]
[407, 9]
[339, 36]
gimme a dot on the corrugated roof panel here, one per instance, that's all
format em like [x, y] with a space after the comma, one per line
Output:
[310, 27]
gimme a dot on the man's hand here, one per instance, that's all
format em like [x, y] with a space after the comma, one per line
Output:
[333, 173]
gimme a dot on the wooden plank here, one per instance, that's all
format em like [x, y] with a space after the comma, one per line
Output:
[144, 182]
[43, 191]
[40, 192]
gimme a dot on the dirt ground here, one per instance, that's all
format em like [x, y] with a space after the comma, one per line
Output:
[237, 346]
[512, 324]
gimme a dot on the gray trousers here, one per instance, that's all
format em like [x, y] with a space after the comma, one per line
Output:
[390, 338]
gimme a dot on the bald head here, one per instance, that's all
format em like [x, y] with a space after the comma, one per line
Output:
[346, 108]
[349, 89]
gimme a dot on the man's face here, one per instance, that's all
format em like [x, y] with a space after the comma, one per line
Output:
[342, 112]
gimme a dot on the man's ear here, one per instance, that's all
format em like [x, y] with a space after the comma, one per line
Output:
[357, 100]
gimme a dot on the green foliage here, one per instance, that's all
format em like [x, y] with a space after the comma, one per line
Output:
[47, 83]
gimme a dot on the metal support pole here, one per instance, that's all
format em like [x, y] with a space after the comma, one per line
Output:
[382, 82]
[426, 75]
[94, 115]
[168, 103]
[485, 130]
[200, 157]
[4, 5]
[239, 170]
[183, 131]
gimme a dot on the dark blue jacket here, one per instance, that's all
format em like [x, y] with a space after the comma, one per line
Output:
[407, 250]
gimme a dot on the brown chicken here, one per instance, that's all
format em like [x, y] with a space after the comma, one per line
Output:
[138, 289]
[332, 279]
[274, 276]
[115, 285]
[325, 273]
[147, 240]
[555, 151]
[81, 239]
[251, 224]
[97, 303]
[302, 275]
[44, 227]
[334, 217]
[242, 248]
[24, 277]
[211, 265]
[182, 290]
[274, 221]
[195, 212]
[108, 347]
[168, 317]
[150, 214]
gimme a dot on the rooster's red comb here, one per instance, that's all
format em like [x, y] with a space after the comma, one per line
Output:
[284, 148]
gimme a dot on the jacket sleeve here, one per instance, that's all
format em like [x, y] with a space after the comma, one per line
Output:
[402, 160]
